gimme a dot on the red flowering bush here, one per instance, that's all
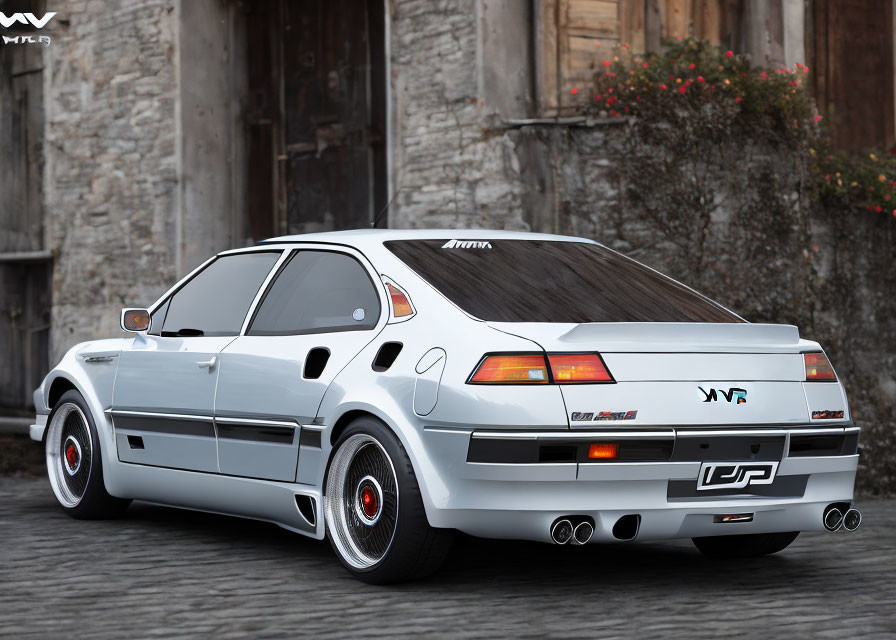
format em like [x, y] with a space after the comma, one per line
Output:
[694, 95]
[864, 180]
[691, 77]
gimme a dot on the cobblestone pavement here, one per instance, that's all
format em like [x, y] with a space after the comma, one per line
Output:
[166, 572]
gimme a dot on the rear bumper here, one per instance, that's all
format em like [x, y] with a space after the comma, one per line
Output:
[512, 500]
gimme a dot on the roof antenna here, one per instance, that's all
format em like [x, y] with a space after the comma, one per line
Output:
[385, 209]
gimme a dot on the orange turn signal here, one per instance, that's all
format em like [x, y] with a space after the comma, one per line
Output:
[511, 369]
[603, 451]
[818, 367]
[401, 306]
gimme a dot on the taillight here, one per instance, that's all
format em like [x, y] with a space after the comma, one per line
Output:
[818, 367]
[536, 368]
[578, 367]
[511, 369]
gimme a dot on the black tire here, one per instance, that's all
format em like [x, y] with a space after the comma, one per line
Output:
[415, 549]
[745, 546]
[74, 461]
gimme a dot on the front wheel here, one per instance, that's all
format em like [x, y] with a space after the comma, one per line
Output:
[374, 512]
[744, 546]
[74, 463]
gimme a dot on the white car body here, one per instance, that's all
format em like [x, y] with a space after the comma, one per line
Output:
[200, 388]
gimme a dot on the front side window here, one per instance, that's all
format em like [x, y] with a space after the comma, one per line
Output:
[317, 292]
[215, 301]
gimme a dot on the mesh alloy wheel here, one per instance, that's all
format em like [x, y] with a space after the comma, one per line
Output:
[361, 503]
[69, 454]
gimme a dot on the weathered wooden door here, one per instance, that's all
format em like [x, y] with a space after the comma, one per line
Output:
[24, 266]
[317, 114]
[853, 70]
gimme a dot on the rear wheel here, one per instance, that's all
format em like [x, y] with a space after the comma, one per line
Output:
[74, 463]
[374, 513]
[745, 546]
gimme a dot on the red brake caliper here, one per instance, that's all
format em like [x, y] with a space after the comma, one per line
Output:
[71, 454]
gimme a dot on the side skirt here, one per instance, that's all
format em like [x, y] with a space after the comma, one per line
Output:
[265, 500]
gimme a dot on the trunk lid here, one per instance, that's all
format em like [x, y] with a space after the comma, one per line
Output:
[680, 374]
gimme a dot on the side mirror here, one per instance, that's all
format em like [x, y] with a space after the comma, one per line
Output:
[134, 320]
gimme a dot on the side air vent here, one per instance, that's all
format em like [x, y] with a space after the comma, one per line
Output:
[315, 362]
[386, 355]
[306, 508]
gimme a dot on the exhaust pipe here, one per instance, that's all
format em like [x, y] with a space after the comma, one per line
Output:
[833, 518]
[562, 531]
[852, 520]
[626, 528]
[582, 533]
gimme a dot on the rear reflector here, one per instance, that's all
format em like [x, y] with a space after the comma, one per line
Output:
[578, 367]
[401, 306]
[733, 517]
[511, 369]
[602, 451]
[818, 367]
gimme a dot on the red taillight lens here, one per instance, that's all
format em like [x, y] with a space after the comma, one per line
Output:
[578, 367]
[511, 369]
[818, 367]
[603, 451]
[401, 306]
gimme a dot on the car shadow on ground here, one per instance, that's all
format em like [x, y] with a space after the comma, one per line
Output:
[530, 567]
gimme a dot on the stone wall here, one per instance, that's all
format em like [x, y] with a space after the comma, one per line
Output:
[110, 177]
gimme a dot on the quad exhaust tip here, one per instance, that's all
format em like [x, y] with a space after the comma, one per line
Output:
[852, 519]
[582, 533]
[833, 518]
[562, 531]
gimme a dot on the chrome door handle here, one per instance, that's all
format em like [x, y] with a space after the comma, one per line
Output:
[208, 363]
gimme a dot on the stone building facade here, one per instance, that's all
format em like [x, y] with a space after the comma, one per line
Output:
[157, 132]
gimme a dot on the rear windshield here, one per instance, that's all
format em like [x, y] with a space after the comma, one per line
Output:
[549, 281]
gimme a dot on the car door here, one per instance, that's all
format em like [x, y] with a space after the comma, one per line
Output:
[164, 395]
[320, 310]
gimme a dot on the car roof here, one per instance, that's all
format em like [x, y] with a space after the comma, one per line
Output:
[361, 237]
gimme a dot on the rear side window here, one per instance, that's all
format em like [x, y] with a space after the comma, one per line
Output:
[317, 292]
[215, 301]
[549, 281]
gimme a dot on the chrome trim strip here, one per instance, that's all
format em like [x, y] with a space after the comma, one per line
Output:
[313, 427]
[574, 435]
[151, 414]
[258, 422]
[822, 432]
[731, 432]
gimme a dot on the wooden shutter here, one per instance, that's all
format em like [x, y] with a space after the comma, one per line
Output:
[573, 37]
[588, 34]
[852, 71]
